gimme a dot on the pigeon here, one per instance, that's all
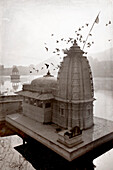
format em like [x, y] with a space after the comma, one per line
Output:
[87, 25]
[84, 41]
[90, 34]
[52, 34]
[30, 71]
[88, 43]
[78, 34]
[109, 22]
[109, 40]
[42, 68]
[82, 26]
[57, 41]
[52, 64]
[58, 66]
[54, 52]
[57, 49]
[37, 71]
[62, 39]
[92, 42]
[106, 24]
[70, 39]
[79, 29]
[46, 48]
[47, 65]
[58, 54]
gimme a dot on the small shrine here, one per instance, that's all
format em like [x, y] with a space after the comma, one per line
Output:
[15, 73]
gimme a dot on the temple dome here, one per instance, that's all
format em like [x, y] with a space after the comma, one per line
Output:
[47, 81]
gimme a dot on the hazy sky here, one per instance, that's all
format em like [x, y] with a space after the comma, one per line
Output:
[25, 25]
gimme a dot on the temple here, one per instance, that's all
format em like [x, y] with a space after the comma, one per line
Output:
[67, 100]
[58, 112]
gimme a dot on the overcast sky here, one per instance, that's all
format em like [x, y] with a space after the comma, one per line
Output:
[25, 25]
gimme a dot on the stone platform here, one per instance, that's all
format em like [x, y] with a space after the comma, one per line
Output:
[101, 132]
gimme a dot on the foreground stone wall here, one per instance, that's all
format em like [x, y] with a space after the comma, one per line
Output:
[9, 105]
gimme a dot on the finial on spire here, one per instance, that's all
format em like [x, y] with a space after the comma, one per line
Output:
[48, 74]
[75, 42]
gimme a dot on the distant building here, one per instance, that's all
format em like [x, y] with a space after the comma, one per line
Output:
[15, 73]
[2, 67]
[67, 100]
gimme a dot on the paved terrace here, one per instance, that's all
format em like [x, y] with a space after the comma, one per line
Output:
[101, 132]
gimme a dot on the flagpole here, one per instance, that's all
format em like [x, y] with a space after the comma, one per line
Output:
[89, 32]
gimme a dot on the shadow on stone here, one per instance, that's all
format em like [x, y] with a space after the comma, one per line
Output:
[43, 158]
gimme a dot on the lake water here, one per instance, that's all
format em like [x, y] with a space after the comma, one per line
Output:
[103, 107]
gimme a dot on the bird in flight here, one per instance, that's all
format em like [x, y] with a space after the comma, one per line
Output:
[57, 49]
[37, 71]
[57, 41]
[46, 48]
[85, 53]
[42, 68]
[52, 34]
[87, 25]
[79, 29]
[30, 71]
[52, 64]
[47, 65]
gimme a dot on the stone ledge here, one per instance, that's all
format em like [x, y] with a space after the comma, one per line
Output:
[101, 132]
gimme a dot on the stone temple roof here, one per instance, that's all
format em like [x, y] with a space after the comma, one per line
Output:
[45, 96]
[45, 82]
[75, 77]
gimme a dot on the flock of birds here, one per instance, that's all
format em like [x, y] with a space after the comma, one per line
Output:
[47, 67]
[79, 38]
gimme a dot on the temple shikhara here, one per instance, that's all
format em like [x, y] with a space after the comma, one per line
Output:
[66, 100]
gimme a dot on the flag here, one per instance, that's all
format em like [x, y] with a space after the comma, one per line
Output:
[97, 19]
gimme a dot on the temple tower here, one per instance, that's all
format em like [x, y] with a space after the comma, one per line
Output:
[15, 73]
[75, 91]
